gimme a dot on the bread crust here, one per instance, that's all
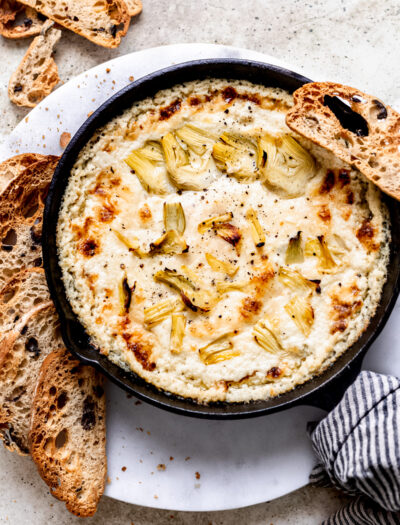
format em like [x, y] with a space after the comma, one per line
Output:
[14, 166]
[80, 18]
[37, 74]
[376, 154]
[19, 367]
[67, 434]
[21, 210]
[31, 26]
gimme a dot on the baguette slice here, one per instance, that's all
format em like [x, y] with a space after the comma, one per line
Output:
[23, 293]
[104, 22]
[134, 7]
[11, 168]
[22, 352]
[21, 210]
[10, 28]
[37, 74]
[68, 433]
[369, 141]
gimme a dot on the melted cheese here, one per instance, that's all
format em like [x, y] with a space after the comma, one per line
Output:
[104, 197]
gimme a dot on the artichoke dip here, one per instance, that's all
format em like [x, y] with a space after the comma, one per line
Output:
[206, 248]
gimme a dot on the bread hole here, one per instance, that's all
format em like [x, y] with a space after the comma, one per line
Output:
[373, 163]
[377, 110]
[48, 446]
[61, 438]
[52, 390]
[62, 400]
[37, 262]
[9, 240]
[7, 296]
[375, 178]
[382, 168]
[348, 118]
[30, 206]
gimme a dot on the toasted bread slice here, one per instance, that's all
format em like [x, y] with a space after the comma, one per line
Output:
[18, 21]
[37, 74]
[21, 210]
[68, 433]
[22, 352]
[104, 22]
[11, 168]
[356, 127]
[134, 7]
[23, 293]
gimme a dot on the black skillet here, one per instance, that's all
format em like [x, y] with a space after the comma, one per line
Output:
[321, 391]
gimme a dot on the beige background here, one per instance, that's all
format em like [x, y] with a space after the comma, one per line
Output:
[357, 41]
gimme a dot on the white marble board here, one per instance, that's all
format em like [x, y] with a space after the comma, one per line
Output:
[240, 463]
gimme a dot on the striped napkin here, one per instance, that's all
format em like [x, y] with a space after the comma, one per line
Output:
[358, 447]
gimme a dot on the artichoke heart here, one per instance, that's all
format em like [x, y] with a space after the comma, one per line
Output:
[155, 314]
[302, 313]
[265, 336]
[171, 243]
[229, 233]
[182, 174]
[125, 295]
[295, 281]
[192, 295]
[221, 349]
[236, 155]
[319, 248]
[198, 140]
[229, 286]
[286, 166]
[149, 167]
[174, 217]
[178, 325]
[294, 252]
[256, 230]
[214, 221]
[221, 266]
[132, 244]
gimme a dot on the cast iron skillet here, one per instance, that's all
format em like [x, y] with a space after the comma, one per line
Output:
[322, 391]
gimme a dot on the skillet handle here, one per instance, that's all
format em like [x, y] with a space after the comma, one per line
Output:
[329, 396]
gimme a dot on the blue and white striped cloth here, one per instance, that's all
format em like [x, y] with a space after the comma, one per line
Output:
[358, 446]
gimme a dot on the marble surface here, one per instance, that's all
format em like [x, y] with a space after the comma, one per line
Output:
[354, 40]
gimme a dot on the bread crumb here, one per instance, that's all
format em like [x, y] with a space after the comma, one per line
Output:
[108, 70]
[197, 485]
[90, 113]
[64, 139]
[123, 469]
[161, 467]
[108, 480]
[155, 496]
[148, 433]
[26, 119]
[197, 474]
[171, 458]
[131, 78]
[187, 458]
[138, 402]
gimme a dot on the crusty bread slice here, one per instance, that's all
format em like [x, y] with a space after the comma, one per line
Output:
[104, 22]
[37, 74]
[22, 352]
[21, 210]
[368, 140]
[134, 7]
[18, 21]
[23, 293]
[68, 433]
[11, 168]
